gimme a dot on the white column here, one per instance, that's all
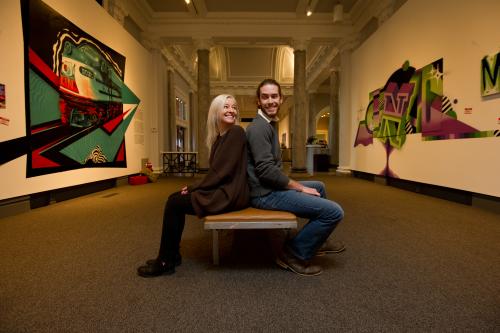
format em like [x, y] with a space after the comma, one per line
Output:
[203, 47]
[158, 114]
[193, 120]
[345, 114]
[311, 117]
[300, 107]
[333, 124]
[171, 113]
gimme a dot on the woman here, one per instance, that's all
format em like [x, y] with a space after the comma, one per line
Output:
[223, 189]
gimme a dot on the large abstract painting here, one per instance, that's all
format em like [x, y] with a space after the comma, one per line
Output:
[77, 105]
[412, 101]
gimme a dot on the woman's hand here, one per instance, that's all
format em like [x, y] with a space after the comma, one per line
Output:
[184, 190]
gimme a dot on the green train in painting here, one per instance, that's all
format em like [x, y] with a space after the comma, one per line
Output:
[89, 86]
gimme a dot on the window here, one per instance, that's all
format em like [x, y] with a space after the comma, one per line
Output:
[179, 141]
[180, 108]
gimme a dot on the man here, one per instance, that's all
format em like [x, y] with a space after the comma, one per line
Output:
[271, 189]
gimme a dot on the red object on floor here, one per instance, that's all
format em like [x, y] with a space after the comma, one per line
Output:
[137, 180]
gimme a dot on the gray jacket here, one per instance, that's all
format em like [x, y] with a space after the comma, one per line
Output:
[264, 158]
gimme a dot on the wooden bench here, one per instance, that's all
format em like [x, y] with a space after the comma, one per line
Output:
[248, 218]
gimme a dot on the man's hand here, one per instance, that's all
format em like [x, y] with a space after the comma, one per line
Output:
[293, 185]
[310, 190]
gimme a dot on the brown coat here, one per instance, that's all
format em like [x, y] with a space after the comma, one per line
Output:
[225, 187]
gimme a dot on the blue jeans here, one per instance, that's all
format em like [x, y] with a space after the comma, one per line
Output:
[323, 215]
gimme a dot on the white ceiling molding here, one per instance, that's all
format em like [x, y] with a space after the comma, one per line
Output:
[185, 62]
[364, 11]
[118, 9]
[301, 8]
[200, 7]
[385, 12]
[317, 56]
[318, 71]
[255, 29]
[174, 63]
[243, 88]
[225, 27]
[140, 12]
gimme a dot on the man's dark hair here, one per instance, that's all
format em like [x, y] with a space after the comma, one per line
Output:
[269, 81]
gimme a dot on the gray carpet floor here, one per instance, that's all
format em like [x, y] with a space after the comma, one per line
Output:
[413, 264]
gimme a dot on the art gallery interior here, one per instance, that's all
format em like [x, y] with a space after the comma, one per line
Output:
[393, 104]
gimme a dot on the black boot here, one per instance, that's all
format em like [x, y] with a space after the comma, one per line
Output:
[178, 260]
[156, 269]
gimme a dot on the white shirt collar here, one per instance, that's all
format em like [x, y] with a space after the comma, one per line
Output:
[261, 113]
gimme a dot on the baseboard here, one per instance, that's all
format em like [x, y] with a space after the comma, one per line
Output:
[120, 181]
[486, 202]
[460, 196]
[14, 206]
[363, 175]
[25, 203]
[464, 197]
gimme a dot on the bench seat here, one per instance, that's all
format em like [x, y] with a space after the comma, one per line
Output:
[248, 218]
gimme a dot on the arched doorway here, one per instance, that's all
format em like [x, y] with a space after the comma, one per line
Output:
[322, 123]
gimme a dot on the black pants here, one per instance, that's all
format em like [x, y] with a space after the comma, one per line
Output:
[176, 208]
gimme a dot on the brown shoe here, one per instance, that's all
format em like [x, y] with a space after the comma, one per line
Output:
[296, 265]
[329, 247]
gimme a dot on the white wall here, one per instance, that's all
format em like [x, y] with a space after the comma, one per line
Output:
[95, 21]
[461, 32]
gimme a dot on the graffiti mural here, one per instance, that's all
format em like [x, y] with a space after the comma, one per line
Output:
[411, 102]
[77, 105]
[490, 78]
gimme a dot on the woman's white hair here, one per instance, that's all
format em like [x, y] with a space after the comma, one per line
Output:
[213, 122]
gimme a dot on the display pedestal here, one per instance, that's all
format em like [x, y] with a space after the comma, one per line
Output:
[311, 151]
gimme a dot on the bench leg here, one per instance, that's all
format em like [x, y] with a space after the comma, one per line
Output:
[215, 246]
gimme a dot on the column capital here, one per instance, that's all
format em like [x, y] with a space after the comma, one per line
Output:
[299, 44]
[203, 43]
[169, 67]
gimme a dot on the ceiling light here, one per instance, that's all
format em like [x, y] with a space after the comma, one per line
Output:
[187, 2]
[309, 12]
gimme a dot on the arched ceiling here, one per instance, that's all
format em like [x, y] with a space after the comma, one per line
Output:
[250, 40]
